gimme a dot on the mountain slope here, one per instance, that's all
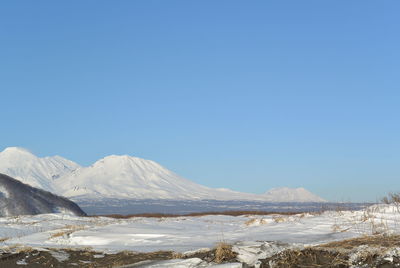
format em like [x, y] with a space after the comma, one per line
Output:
[38, 172]
[17, 198]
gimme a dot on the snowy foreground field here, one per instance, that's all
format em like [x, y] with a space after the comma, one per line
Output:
[252, 237]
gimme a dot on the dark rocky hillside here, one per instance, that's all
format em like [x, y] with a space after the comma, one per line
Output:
[17, 198]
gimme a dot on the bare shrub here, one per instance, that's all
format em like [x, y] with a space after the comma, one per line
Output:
[392, 198]
[278, 219]
[177, 255]
[223, 252]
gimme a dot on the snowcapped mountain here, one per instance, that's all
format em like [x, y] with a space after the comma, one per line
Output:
[131, 177]
[38, 172]
[286, 194]
[124, 177]
[17, 198]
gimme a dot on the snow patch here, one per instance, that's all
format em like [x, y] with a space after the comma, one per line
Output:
[59, 255]
[4, 192]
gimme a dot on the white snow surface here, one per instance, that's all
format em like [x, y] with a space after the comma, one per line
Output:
[24, 166]
[269, 236]
[123, 177]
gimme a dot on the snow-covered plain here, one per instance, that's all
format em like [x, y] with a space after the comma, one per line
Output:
[253, 237]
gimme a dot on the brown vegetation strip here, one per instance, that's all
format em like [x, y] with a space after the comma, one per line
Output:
[372, 241]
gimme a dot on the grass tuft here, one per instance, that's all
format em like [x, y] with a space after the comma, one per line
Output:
[392, 198]
[223, 253]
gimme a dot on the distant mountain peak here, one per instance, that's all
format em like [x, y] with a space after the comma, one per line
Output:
[126, 159]
[16, 149]
[286, 194]
[118, 164]
[284, 189]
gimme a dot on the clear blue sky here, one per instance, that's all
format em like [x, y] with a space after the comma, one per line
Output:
[246, 95]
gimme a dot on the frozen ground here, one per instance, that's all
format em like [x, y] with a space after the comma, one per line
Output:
[252, 236]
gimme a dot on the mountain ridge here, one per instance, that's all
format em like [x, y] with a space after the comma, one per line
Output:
[23, 165]
[124, 176]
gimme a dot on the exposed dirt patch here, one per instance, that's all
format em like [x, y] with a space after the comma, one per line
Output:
[368, 251]
[307, 258]
[87, 258]
[77, 258]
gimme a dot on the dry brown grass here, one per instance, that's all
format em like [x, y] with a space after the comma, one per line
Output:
[309, 258]
[279, 219]
[23, 249]
[67, 230]
[367, 251]
[177, 255]
[2, 239]
[338, 208]
[392, 198]
[337, 228]
[223, 252]
[386, 241]
[250, 222]
[254, 221]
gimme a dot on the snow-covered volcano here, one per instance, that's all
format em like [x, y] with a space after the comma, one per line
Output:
[38, 172]
[123, 177]
[131, 177]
